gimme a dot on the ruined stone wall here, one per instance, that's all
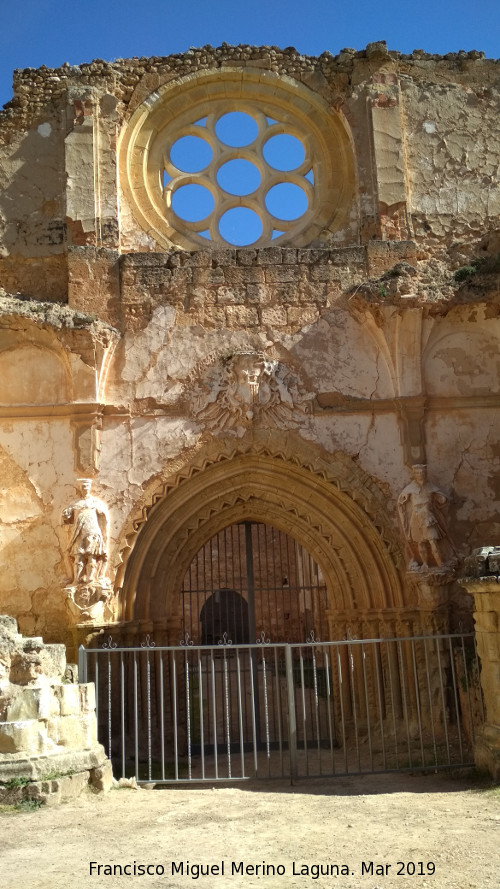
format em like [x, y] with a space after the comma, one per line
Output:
[48, 727]
[375, 345]
[420, 126]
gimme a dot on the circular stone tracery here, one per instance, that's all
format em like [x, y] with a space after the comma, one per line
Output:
[270, 185]
[271, 160]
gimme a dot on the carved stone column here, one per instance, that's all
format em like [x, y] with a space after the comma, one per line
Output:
[485, 589]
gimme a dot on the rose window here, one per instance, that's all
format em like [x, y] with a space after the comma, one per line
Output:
[238, 178]
[246, 160]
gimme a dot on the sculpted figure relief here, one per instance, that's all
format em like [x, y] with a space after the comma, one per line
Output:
[89, 594]
[421, 508]
[247, 387]
[88, 546]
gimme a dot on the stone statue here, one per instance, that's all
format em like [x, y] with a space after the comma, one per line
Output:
[421, 510]
[89, 595]
[88, 546]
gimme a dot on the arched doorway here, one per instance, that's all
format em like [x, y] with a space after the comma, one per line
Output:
[294, 555]
[330, 508]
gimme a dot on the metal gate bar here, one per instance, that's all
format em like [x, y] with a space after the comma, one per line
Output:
[250, 577]
[228, 712]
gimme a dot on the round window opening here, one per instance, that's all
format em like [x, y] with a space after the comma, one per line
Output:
[258, 175]
[237, 162]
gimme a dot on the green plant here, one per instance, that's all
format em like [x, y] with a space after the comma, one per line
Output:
[382, 291]
[395, 272]
[53, 776]
[464, 272]
[484, 265]
[16, 782]
[29, 805]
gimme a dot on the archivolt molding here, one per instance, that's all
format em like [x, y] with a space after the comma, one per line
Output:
[326, 502]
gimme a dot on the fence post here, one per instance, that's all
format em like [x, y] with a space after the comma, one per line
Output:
[292, 721]
[82, 665]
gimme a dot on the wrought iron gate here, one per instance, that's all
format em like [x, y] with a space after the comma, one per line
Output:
[252, 578]
[229, 712]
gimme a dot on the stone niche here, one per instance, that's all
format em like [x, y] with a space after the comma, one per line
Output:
[48, 728]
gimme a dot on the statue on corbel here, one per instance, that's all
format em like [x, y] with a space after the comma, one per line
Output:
[89, 595]
[422, 513]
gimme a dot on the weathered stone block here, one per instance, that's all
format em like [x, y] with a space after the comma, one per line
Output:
[325, 273]
[23, 737]
[71, 786]
[37, 662]
[221, 257]
[33, 703]
[282, 275]
[246, 256]
[227, 296]
[298, 316]
[289, 255]
[8, 626]
[209, 277]
[244, 275]
[269, 256]
[101, 779]
[257, 293]
[241, 316]
[69, 698]
[87, 697]
[274, 317]
[72, 731]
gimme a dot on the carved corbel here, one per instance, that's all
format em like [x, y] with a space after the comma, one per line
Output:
[87, 444]
[411, 415]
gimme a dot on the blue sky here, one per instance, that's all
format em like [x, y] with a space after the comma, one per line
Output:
[50, 32]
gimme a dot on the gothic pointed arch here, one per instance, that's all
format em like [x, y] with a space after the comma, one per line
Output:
[326, 502]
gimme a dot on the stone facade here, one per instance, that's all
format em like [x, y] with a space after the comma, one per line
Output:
[295, 382]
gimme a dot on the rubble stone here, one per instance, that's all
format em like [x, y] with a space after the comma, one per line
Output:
[47, 728]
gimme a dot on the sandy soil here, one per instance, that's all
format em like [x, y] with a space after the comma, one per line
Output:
[385, 819]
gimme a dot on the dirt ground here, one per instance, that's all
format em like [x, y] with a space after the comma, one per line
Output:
[366, 824]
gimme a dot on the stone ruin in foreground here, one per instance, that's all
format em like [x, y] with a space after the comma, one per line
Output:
[48, 731]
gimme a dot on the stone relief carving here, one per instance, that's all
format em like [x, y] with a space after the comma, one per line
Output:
[247, 387]
[421, 508]
[89, 594]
